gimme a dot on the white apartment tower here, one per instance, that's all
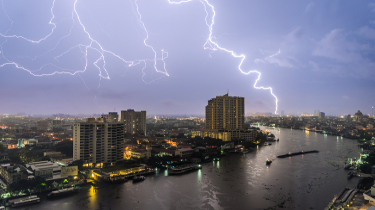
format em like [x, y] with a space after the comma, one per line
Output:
[96, 142]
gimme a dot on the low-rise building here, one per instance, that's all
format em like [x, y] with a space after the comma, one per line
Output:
[227, 135]
[184, 152]
[46, 169]
[12, 173]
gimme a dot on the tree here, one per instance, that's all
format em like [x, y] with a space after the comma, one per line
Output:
[78, 163]
[65, 147]
[45, 158]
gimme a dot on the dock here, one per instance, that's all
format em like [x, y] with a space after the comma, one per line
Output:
[297, 153]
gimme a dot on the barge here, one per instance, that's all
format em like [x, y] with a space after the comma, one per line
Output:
[24, 201]
[297, 153]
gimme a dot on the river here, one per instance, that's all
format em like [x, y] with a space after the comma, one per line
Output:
[237, 181]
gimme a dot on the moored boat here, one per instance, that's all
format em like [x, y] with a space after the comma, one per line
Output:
[268, 161]
[183, 169]
[24, 201]
[61, 192]
[117, 179]
[138, 178]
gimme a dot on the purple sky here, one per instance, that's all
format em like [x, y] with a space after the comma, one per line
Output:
[316, 55]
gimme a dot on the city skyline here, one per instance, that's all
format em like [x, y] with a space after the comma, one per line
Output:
[315, 55]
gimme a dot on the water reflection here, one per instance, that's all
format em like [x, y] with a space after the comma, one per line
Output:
[199, 175]
[92, 198]
[236, 181]
[166, 172]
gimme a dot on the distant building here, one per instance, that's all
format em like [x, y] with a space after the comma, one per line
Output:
[56, 123]
[110, 117]
[135, 122]
[321, 115]
[44, 125]
[282, 113]
[96, 142]
[23, 142]
[358, 116]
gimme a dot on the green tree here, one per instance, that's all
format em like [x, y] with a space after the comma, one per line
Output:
[65, 147]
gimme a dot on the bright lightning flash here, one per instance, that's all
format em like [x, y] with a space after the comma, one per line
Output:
[96, 46]
[212, 45]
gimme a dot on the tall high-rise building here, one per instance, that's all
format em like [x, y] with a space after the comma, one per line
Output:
[135, 122]
[110, 117]
[96, 142]
[225, 112]
[225, 119]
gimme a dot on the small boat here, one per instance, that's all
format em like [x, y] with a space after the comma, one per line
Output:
[350, 175]
[245, 151]
[266, 144]
[277, 139]
[269, 144]
[138, 178]
[268, 161]
[183, 169]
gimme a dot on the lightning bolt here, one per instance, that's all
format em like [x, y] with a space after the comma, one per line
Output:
[96, 46]
[93, 45]
[210, 44]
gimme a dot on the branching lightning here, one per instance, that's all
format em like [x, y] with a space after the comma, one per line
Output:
[212, 45]
[96, 46]
[93, 45]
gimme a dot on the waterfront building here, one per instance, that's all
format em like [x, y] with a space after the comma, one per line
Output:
[227, 135]
[225, 120]
[225, 112]
[110, 117]
[97, 143]
[44, 169]
[135, 122]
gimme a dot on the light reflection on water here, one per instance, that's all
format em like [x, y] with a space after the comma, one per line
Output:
[236, 181]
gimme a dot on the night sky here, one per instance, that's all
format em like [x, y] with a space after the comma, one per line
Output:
[316, 55]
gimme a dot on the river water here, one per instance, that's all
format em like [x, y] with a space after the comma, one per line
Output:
[236, 181]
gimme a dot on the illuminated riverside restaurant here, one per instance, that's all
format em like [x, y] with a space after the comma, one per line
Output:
[100, 175]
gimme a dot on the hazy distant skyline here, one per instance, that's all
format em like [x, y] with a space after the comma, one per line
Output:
[316, 55]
